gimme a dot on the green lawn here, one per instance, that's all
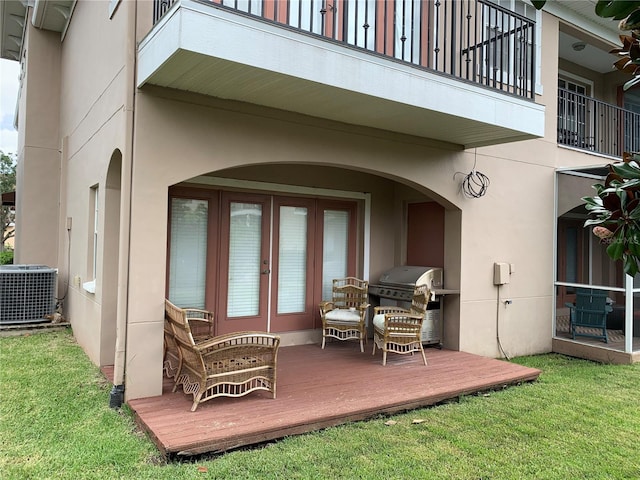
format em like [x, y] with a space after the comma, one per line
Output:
[580, 420]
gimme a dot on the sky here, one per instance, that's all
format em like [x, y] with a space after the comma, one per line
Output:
[9, 71]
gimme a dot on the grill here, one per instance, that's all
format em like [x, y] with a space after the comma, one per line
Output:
[395, 287]
[398, 283]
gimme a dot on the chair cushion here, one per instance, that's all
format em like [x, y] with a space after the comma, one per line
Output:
[378, 321]
[343, 315]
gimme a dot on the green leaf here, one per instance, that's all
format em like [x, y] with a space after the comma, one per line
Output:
[618, 9]
[635, 213]
[595, 201]
[626, 170]
[634, 246]
[630, 264]
[594, 221]
[616, 249]
[631, 83]
[622, 195]
[633, 18]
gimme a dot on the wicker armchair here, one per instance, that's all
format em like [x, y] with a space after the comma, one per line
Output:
[230, 365]
[202, 328]
[344, 317]
[398, 330]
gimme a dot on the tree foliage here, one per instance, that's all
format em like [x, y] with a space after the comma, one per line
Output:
[615, 212]
[7, 184]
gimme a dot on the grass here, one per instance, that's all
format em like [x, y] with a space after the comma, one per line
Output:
[580, 420]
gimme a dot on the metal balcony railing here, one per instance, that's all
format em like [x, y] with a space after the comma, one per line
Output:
[473, 40]
[600, 127]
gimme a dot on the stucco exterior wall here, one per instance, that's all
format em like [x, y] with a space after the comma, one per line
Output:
[38, 168]
[93, 121]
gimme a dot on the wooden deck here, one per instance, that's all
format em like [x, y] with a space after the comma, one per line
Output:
[316, 389]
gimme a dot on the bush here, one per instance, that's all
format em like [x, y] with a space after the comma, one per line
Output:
[6, 257]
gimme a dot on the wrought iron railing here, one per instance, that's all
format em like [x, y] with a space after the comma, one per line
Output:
[475, 40]
[589, 124]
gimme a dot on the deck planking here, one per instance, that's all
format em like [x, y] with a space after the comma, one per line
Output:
[317, 389]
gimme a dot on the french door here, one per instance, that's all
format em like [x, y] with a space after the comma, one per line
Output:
[260, 262]
[266, 258]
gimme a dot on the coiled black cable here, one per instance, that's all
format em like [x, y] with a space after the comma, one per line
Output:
[474, 184]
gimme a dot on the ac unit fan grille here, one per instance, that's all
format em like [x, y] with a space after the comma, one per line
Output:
[27, 293]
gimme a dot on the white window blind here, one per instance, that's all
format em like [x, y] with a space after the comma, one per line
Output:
[292, 260]
[245, 237]
[334, 249]
[188, 253]
[96, 212]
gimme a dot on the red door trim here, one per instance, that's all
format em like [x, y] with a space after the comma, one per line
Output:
[253, 322]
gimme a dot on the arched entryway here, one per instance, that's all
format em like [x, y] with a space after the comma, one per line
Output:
[110, 258]
[260, 245]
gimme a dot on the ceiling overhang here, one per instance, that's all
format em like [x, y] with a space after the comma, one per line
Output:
[51, 15]
[13, 14]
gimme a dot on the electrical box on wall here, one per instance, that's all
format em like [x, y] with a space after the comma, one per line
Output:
[501, 272]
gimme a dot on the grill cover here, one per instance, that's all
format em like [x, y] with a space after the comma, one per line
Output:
[409, 276]
[399, 282]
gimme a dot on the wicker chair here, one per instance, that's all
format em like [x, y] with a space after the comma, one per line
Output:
[230, 365]
[399, 330]
[344, 317]
[202, 328]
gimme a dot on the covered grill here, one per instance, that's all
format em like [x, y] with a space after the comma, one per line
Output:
[395, 287]
[398, 283]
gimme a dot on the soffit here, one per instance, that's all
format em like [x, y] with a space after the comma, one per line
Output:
[12, 18]
[51, 15]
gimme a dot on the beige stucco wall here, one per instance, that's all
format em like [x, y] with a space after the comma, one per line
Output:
[38, 168]
[93, 122]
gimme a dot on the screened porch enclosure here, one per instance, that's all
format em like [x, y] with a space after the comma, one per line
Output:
[584, 271]
[252, 258]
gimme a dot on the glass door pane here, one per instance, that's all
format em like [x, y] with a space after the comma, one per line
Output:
[292, 260]
[188, 252]
[245, 240]
[335, 248]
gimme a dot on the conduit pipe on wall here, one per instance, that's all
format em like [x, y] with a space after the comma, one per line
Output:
[117, 393]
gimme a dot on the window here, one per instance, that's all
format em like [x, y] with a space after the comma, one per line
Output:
[245, 236]
[94, 209]
[631, 104]
[574, 127]
[335, 249]
[292, 255]
[188, 252]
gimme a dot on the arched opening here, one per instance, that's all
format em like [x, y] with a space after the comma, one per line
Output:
[260, 245]
[110, 258]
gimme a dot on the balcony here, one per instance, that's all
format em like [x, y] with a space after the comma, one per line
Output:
[589, 124]
[457, 71]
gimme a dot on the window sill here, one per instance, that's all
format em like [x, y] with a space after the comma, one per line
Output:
[89, 286]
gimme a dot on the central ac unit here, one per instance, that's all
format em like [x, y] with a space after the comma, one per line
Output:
[27, 293]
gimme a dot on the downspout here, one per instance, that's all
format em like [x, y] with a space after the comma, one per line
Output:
[117, 392]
